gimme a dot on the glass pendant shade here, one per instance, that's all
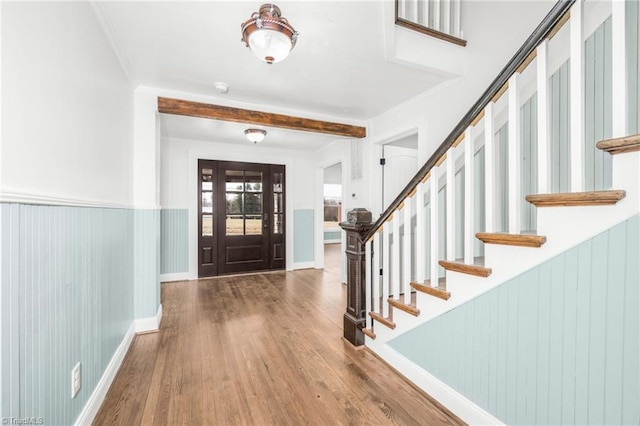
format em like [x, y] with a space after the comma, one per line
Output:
[268, 35]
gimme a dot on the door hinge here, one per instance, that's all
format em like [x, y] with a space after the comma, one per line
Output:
[380, 271]
[382, 161]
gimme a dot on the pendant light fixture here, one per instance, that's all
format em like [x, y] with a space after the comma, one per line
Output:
[269, 36]
[255, 135]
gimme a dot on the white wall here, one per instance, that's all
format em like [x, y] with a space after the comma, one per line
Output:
[179, 158]
[495, 30]
[66, 107]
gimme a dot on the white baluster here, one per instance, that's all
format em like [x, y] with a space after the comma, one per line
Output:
[436, 15]
[489, 169]
[376, 272]
[446, 16]
[450, 166]
[420, 241]
[414, 11]
[369, 281]
[542, 78]
[457, 10]
[434, 227]
[406, 251]
[395, 258]
[425, 13]
[619, 69]
[576, 93]
[402, 9]
[515, 202]
[469, 234]
[385, 268]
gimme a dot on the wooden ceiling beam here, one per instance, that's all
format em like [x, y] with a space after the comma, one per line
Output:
[238, 115]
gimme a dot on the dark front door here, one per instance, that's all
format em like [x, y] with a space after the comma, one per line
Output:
[241, 217]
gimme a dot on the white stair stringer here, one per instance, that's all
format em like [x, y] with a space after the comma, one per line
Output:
[564, 227]
[462, 407]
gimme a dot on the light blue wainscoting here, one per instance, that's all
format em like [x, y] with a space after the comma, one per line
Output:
[147, 262]
[174, 241]
[66, 297]
[303, 241]
[528, 161]
[598, 98]
[332, 236]
[633, 65]
[560, 155]
[556, 345]
[502, 191]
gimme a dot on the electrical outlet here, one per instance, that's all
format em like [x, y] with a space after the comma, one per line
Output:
[76, 380]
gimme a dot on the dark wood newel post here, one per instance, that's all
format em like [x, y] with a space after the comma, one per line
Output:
[357, 225]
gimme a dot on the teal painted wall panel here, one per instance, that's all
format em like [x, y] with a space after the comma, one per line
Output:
[147, 262]
[502, 190]
[598, 98]
[560, 156]
[529, 161]
[332, 235]
[67, 297]
[174, 241]
[303, 241]
[556, 345]
[633, 65]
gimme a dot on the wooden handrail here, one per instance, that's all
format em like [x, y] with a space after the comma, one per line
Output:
[539, 34]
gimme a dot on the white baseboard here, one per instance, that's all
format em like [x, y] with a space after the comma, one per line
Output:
[458, 404]
[94, 402]
[145, 325]
[304, 265]
[182, 276]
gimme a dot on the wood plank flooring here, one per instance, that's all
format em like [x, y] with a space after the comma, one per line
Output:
[263, 349]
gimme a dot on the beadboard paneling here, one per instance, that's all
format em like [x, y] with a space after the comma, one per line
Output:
[560, 155]
[303, 236]
[598, 171]
[556, 345]
[633, 64]
[529, 161]
[147, 262]
[67, 297]
[174, 241]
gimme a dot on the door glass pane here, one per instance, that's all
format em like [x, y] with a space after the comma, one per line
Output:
[207, 225]
[277, 203]
[253, 224]
[277, 223]
[207, 202]
[253, 181]
[252, 203]
[235, 225]
[234, 180]
[234, 203]
[207, 186]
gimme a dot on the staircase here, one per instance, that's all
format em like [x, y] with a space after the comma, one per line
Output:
[506, 192]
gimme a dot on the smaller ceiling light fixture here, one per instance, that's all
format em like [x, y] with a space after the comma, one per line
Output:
[269, 36]
[255, 135]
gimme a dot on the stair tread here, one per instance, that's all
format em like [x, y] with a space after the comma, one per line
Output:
[592, 198]
[382, 320]
[456, 266]
[521, 240]
[370, 333]
[410, 309]
[439, 292]
[620, 145]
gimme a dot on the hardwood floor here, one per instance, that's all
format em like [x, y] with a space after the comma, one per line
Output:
[261, 349]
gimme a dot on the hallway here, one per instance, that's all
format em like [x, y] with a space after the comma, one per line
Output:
[259, 349]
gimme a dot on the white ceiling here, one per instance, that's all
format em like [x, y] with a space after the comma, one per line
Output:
[337, 68]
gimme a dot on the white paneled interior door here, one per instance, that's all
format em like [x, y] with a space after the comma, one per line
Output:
[401, 164]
